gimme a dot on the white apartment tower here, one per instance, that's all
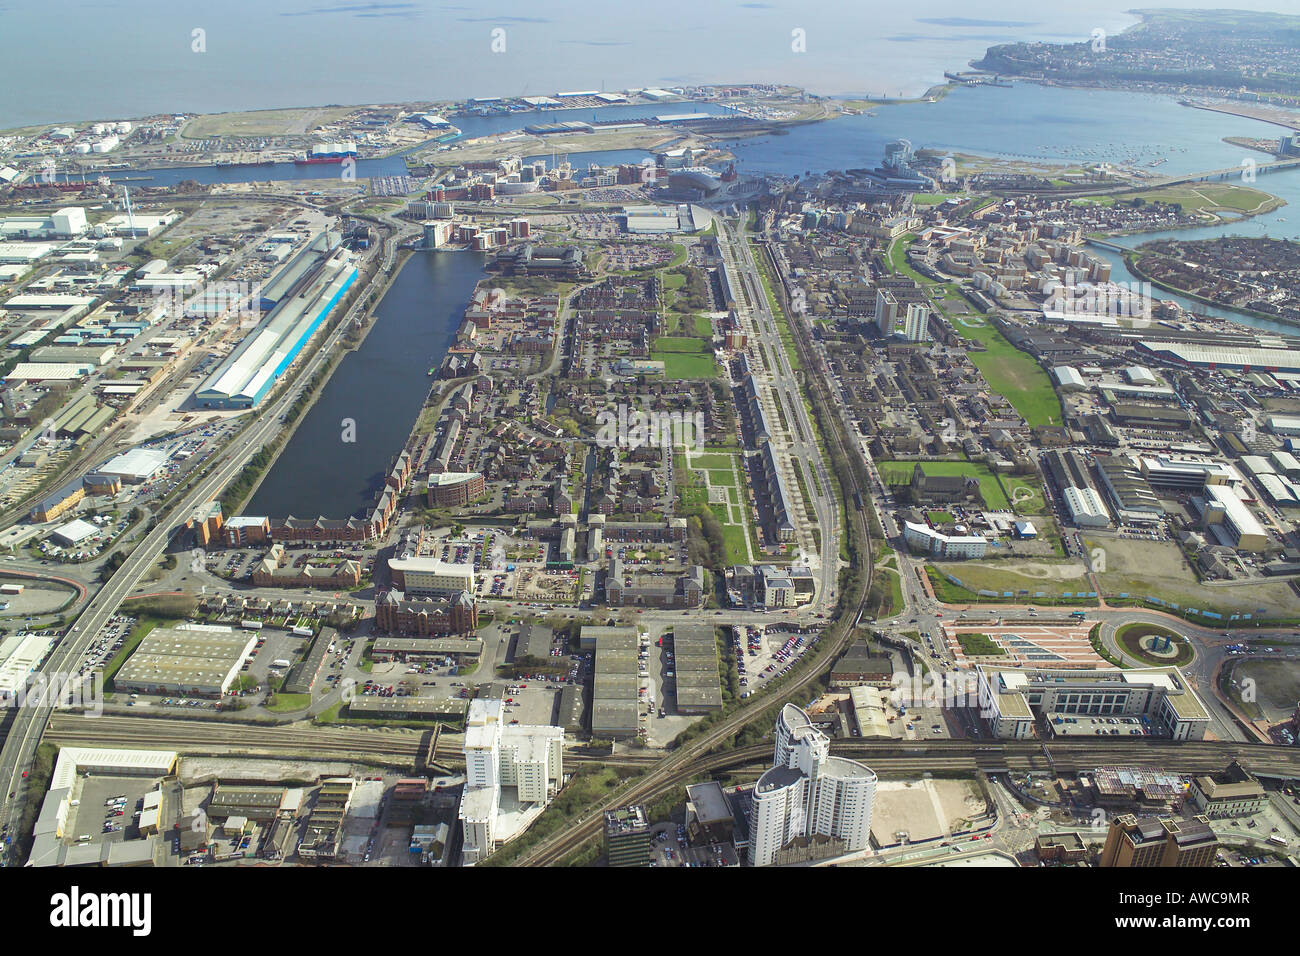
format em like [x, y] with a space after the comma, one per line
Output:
[808, 792]
[886, 311]
[916, 325]
[499, 757]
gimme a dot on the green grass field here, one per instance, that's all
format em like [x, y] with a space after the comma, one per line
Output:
[1014, 375]
[677, 343]
[722, 477]
[1196, 198]
[682, 366]
[977, 577]
[684, 357]
[979, 645]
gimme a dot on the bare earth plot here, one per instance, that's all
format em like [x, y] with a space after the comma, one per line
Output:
[923, 809]
[293, 122]
[1157, 568]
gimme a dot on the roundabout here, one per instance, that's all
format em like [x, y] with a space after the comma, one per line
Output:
[1155, 645]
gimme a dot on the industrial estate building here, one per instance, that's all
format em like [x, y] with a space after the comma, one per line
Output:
[810, 804]
[20, 656]
[511, 772]
[199, 660]
[62, 836]
[303, 294]
[695, 659]
[1012, 699]
[615, 686]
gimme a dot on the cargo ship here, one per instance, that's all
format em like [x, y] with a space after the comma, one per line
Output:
[327, 153]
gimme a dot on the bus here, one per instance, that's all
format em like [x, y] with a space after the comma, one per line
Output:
[1080, 615]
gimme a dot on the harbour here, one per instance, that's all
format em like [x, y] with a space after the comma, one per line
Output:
[378, 388]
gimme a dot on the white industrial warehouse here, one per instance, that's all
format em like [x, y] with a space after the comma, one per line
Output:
[320, 275]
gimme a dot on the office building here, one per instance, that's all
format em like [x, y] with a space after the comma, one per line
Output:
[1150, 841]
[1233, 792]
[1013, 698]
[429, 577]
[627, 837]
[810, 804]
[1231, 522]
[926, 539]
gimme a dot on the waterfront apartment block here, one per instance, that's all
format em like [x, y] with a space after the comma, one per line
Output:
[417, 616]
[455, 489]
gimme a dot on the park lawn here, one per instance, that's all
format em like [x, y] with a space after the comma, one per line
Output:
[938, 517]
[673, 280]
[1010, 372]
[1030, 504]
[708, 462]
[693, 495]
[898, 256]
[900, 472]
[1194, 197]
[735, 539]
[722, 477]
[703, 326]
[678, 343]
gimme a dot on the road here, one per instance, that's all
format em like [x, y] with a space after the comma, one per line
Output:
[29, 721]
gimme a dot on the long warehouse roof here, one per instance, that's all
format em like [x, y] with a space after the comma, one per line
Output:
[265, 352]
[1286, 360]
